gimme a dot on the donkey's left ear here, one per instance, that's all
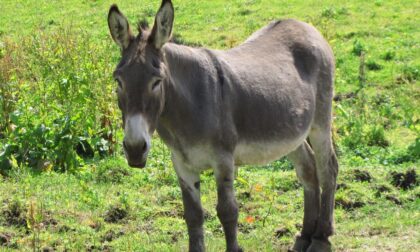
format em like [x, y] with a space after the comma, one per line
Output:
[162, 28]
[119, 28]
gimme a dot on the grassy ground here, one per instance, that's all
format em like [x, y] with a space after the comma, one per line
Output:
[108, 207]
[113, 208]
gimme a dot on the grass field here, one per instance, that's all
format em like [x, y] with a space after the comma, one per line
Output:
[56, 60]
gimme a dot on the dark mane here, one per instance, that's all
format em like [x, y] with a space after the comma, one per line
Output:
[142, 25]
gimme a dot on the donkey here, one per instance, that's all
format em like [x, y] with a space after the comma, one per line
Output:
[269, 97]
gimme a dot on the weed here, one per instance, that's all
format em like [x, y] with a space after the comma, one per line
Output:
[388, 55]
[376, 137]
[60, 103]
[358, 47]
[112, 171]
[373, 65]
[409, 74]
[329, 12]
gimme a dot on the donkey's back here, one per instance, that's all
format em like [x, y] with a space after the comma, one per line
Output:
[272, 88]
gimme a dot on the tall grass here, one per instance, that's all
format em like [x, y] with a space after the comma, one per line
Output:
[57, 101]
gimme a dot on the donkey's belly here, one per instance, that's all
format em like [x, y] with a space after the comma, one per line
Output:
[254, 153]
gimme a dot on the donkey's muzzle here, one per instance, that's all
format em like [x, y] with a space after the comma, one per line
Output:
[136, 154]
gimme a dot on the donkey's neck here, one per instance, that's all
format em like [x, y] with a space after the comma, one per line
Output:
[184, 64]
[189, 91]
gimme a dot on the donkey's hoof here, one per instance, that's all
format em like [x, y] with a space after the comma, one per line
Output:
[301, 244]
[319, 246]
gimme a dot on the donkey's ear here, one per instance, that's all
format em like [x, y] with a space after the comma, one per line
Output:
[162, 28]
[119, 28]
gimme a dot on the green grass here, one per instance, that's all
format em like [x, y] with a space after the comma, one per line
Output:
[375, 129]
[270, 199]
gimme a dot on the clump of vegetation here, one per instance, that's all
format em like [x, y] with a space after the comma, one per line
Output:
[373, 65]
[55, 110]
[358, 47]
[112, 171]
[409, 74]
[389, 55]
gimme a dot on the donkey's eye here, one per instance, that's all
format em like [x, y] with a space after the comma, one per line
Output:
[156, 85]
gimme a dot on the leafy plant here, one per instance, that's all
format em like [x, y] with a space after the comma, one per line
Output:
[62, 108]
[358, 47]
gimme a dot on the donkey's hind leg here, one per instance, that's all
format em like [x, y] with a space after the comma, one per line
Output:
[304, 162]
[326, 170]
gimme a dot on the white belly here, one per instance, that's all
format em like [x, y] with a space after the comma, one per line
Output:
[255, 153]
[199, 158]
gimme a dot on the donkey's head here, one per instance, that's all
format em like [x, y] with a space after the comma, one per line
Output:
[140, 75]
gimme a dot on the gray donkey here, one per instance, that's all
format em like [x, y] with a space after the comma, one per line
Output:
[219, 109]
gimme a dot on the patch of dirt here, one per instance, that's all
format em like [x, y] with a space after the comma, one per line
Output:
[340, 97]
[95, 225]
[175, 235]
[48, 220]
[65, 229]
[115, 214]
[362, 176]
[393, 199]
[15, 214]
[244, 195]
[147, 227]
[106, 248]
[174, 212]
[280, 232]
[111, 235]
[47, 249]
[5, 239]
[341, 186]
[207, 215]
[244, 228]
[348, 205]
[406, 180]
[103, 248]
[381, 189]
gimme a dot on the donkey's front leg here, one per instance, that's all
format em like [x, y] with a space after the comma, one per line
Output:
[193, 212]
[227, 208]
